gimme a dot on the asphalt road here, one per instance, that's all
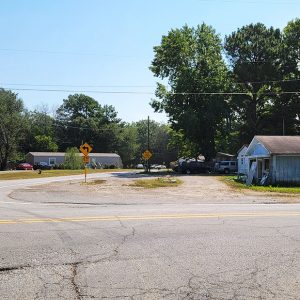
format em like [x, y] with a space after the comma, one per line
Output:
[151, 251]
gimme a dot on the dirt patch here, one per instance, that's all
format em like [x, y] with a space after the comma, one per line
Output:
[118, 191]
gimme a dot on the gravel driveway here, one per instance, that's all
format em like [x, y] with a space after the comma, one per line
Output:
[116, 190]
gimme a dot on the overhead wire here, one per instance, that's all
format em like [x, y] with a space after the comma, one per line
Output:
[129, 86]
[152, 93]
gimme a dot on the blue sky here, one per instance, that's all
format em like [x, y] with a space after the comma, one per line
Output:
[76, 45]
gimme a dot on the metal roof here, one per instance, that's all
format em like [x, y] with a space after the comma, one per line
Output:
[63, 154]
[280, 144]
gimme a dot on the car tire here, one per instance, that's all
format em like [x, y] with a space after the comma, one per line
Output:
[226, 171]
[188, 171]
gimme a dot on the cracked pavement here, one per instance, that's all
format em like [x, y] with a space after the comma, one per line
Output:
[219, 254]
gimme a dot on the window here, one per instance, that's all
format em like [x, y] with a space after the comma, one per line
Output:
[52, 161]
[242, 160]
[224, 163]
[232, 163]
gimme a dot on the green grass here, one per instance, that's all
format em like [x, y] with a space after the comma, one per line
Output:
[232, 182]
[50, 173]
[157, 183]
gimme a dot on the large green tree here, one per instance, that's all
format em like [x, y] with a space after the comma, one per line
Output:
[256, 54]
[12, 126]
[190, 59]
[159, 140]
[82, 119]
[40, 132]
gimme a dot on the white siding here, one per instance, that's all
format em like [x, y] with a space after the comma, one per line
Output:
[243, 161]
[287, 169]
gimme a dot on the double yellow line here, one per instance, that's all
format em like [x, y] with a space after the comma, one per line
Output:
[153, 217]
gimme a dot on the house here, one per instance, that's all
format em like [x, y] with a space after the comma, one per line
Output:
[57, 158]
[274, 159]
[243, 160]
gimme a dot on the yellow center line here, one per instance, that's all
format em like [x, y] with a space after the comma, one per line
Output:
[152, 217]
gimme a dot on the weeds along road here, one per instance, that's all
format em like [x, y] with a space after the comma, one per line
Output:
[202, 240]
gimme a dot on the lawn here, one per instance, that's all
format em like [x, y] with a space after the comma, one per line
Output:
[231, 181]
[50, 173]
[157, 182]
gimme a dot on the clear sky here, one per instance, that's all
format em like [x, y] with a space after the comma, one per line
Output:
[77, 45]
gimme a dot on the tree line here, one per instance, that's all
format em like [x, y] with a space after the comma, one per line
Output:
[79, 119]
[222, 93]
[219, 94]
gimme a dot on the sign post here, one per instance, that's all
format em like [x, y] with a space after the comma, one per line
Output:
[146, 156]
[85, 149]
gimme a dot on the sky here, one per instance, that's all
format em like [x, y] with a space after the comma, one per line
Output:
[104, 48]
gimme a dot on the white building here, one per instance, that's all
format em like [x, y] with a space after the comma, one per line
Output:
[57, 158]
[275, 158]
[243, 160]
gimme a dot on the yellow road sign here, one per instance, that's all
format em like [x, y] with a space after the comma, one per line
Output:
[85, 149]
[147, 155]
[86, 159]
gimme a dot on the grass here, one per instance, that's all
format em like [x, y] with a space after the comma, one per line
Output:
[50, 173]
[94, 182]
[157, 182]
[232, 182]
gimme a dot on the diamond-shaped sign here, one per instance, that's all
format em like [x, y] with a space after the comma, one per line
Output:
[85, 149]
[147, 155]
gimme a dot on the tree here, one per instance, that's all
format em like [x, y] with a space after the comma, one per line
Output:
[12, 125]
[128, 147]
[82, 119]
[159, 139]
[40, 132]
[190, 59]
[255, 53]
[44, 143]
[73, 161]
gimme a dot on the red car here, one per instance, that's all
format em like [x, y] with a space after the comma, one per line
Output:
[24, 166]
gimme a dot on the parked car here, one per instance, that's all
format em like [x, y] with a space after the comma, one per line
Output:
[188, 167]
[158, 167]
[226, 167]
[24, 166]
[140, 166]
[42, 166]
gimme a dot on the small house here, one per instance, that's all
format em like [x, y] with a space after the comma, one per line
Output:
[57, 158]
[243, 161]
[274, 159]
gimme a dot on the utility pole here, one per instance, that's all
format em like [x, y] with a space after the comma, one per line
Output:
[283, 127]
[148, 143]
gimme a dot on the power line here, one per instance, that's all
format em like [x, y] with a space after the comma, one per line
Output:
[152, 93]
[129, 86]
[81, 86]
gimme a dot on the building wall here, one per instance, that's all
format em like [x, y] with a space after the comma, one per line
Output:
[243, 162]
[103, 160]
[286, 169]
[58, 159]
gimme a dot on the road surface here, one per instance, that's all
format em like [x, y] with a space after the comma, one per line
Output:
[147, 247]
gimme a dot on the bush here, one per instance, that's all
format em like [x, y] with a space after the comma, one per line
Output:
[73, 161]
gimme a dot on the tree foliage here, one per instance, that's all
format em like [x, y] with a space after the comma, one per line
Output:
[12, 126]
[191, 60]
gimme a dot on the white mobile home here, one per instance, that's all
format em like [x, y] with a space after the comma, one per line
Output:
[277, 158]
[57, 158]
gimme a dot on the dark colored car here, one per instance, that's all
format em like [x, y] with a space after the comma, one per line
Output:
[42, 166]
[193, 167]
[24, 166]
